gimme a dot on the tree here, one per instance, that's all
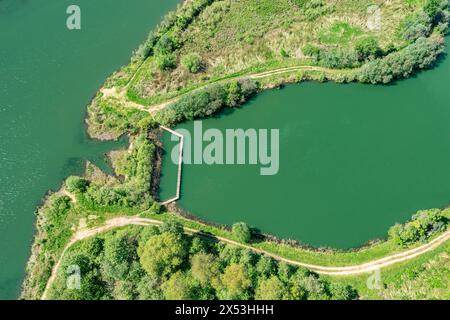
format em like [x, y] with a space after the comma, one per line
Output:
[242, 232]
[91, 285]
[191, 62]
[235, 280]
[270, 289]
[315, 287]
[418, 55]
[119, 253]
[285, 271]
[422, 225]
[148, 289]
[297, 290]
[76, 184]
[178, 287]
[266, 266]
[172, 226]
[340, 291]
[124, 290]
[204, 268]
[166, 45]
[162, 254]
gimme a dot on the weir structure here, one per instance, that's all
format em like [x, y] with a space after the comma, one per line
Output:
[180, 165]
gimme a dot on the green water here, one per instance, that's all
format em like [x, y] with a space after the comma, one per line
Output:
[48, 74]
[354, 159]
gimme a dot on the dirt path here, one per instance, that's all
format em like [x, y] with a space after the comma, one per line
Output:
[335, 271]
[153, 109]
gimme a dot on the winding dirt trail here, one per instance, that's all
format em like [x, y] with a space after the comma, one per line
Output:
[152, 109]
[334, 271]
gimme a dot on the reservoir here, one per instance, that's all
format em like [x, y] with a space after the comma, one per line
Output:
[353, 160]
[48, 74]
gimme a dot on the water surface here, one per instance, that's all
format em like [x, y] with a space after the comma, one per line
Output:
[354, 160]
[48, 75]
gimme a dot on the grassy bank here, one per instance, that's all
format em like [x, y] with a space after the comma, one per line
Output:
[426, 277]
[218, 42]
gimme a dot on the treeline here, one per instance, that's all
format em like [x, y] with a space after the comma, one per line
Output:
[133, 192]
[164, 263]
[401, 64]
[421, 53]
[385, 65]
[422, 226]
[208, 101]
[167, 37]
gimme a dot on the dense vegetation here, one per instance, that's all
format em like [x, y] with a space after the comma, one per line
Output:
[133, 192]
[207, 42]
[228, 37]
[94, 196]
[422, 51]
[164, 263]
[422, 226]
[424, 278]
[206, 102]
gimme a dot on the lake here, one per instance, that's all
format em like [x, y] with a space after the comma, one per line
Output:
[354, 160]
[48, 74]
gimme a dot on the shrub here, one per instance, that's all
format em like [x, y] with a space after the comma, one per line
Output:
[434, 8]
[242, 232]
[337, 58]
[166, 45]
[191, 62]
[311, 51]
[419, 55]
[76, 184]
[367, 48]
[165, 62]
[206, 102]
[415, 27]
[420, 228]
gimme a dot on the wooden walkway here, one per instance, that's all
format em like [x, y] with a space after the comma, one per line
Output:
[180, 165]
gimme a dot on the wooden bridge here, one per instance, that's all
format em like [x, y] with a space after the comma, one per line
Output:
[180, 165]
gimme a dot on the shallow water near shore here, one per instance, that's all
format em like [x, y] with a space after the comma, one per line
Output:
[48, 75]
[354, 160]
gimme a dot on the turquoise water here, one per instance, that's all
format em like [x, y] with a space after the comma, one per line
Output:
[48, 75]
[354, 160]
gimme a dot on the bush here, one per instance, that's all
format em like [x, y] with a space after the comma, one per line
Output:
[401, 64]
[434, 8]
[191, 62]
[423, 225]
[166, 45]
[76, 184]
[311, 51]
[242, 232]
[134, 192]
[206, 102]
[165, 62]
[337, 58]
[367, 48]
[415, 27]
